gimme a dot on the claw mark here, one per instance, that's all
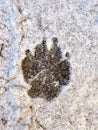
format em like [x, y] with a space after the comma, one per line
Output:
[1, 49]
[40, 125]
[45, 71]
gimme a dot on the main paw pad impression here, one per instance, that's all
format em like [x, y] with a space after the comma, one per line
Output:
[45, 71]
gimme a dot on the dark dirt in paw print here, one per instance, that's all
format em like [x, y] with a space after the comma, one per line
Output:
[45, 71]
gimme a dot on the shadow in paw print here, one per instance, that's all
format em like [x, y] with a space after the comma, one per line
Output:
[45, 71]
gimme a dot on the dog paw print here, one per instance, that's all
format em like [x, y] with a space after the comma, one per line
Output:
[45, 71]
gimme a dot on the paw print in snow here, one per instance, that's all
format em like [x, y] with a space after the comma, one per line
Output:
[45, 71]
